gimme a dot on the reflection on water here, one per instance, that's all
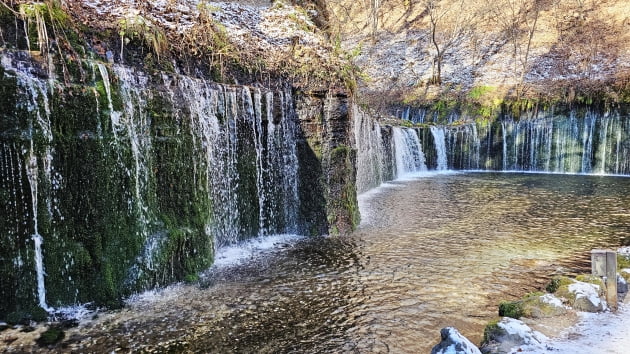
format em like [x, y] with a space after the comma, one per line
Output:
[431, 252]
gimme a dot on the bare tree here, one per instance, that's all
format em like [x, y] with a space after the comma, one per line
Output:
[518, 20]
[451, 22]
[375, 5]
[530, 19]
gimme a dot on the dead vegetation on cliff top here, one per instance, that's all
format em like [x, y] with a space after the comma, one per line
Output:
[252, 36]
[518, 47]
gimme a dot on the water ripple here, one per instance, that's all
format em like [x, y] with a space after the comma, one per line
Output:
[432, 252]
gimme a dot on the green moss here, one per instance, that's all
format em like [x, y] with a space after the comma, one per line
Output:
[24, 317]
[51, 336]
[8, 101]
[443, 108]
[557, 282]
[343, 210]
[491, 331]
[99, 86]
[54, 18]
[191, 278]
[623, 261]
[534, 307]
[316, 147]
[512, 309]
[533, 294]
[479, 92]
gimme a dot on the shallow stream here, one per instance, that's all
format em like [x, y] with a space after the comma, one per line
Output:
[433, 251]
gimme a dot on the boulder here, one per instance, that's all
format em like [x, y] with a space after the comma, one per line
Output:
[508, 333]
[584, 295]
[454, 343]
[587, 297]
[622, 284]
[543, 306]
[535, 305]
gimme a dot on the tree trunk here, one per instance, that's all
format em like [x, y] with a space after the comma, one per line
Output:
[437, 61]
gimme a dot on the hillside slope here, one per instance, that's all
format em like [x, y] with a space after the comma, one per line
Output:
[518, 47]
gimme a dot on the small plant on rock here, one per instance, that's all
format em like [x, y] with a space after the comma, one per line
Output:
[139, 28]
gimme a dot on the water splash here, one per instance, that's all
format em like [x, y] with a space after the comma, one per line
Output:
[408, 151]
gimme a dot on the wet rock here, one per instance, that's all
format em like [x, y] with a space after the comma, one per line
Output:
[25, 318]
[27, 329]
[453, 342]
[583, 294]
[535, 305]
[508, 333]
[587, 297]
[543, 306]
[51, 336]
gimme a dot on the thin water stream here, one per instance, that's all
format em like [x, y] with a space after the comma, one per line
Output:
[434, 251]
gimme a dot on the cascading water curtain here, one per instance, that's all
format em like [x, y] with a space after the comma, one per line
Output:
[590, 143]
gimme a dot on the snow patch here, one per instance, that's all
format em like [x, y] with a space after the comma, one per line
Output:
[518, 328]
[266, 29]
[607, 332]
[624, 251]
[454, 343]
[587, 290]
[551, 300]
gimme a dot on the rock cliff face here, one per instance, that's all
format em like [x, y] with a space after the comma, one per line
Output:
[117, 178]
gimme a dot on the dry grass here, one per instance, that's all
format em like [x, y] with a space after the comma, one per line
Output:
[583, 43]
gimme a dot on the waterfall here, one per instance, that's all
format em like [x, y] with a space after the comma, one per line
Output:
[37, 166]
[504, 135]
[218, 145]
[408, 151]
[384, 153]
[371, 154]
[158, 172]
[580, 142]
[223, 122]
[440, 147]
[32, 173]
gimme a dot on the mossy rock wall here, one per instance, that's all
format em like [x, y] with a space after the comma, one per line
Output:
[133, 178]
[327, 157]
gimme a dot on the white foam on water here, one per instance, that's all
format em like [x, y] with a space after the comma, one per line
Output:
[170, 292]
[75, 312]
[426, 174]
[239, 253]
